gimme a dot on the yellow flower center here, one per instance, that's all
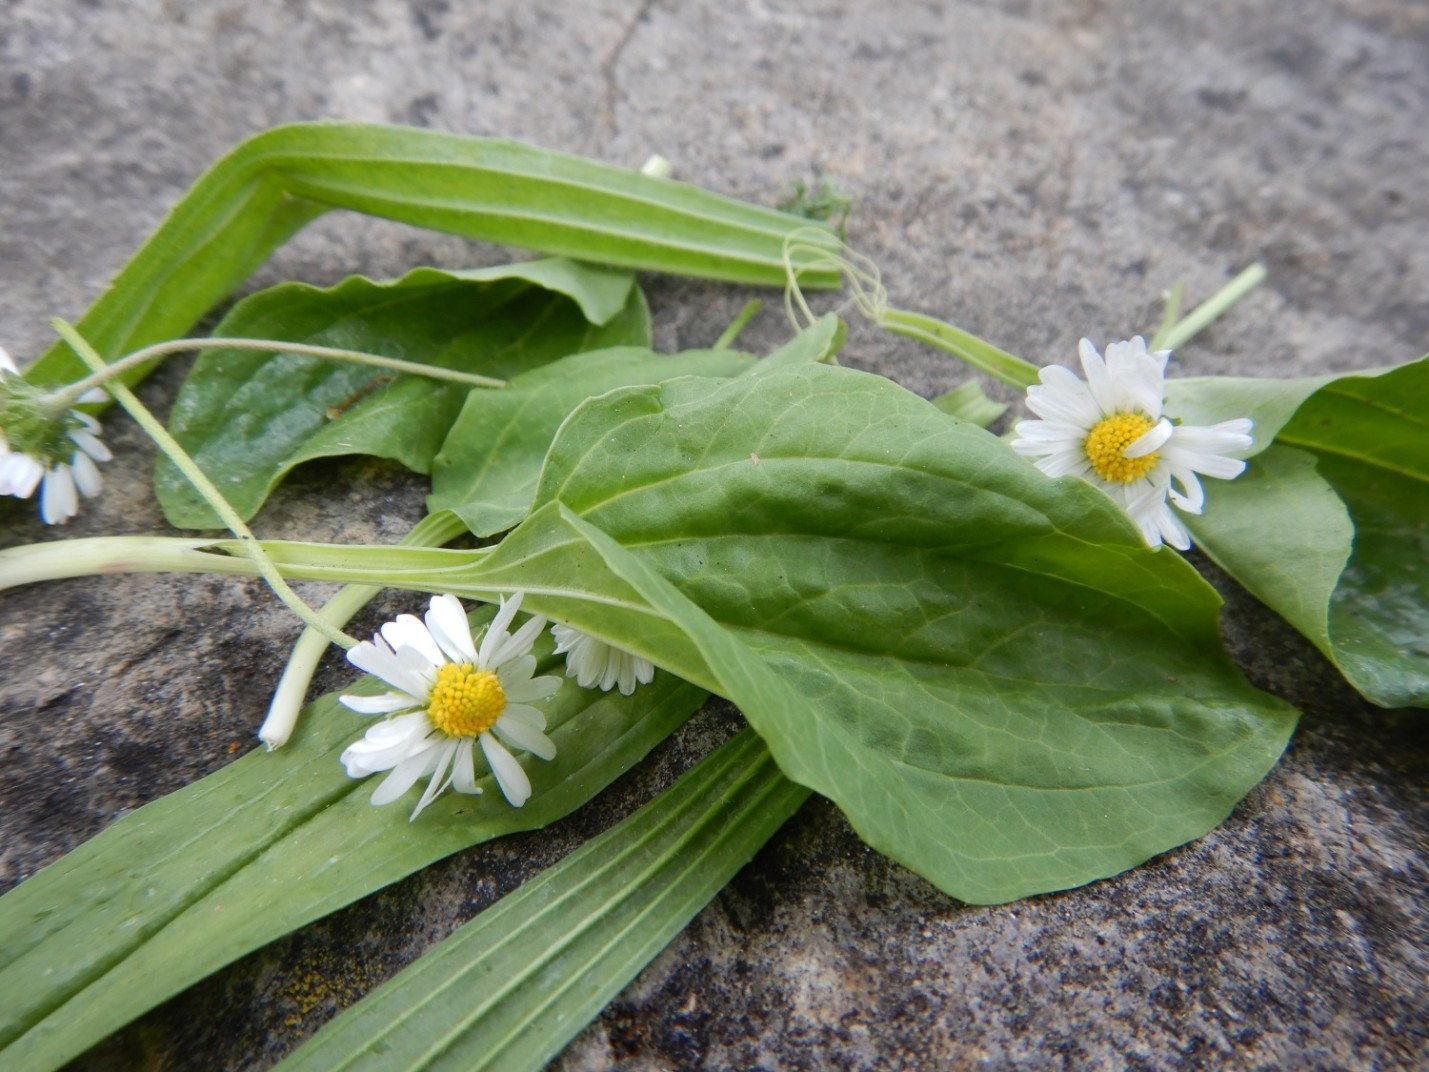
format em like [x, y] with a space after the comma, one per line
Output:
[1109, 438]
[465, 702]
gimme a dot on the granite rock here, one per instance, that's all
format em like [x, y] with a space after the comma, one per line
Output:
[1035, 171]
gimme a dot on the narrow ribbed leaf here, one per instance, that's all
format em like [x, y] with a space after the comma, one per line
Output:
[270, 186]
[508, 990]
[197, 879]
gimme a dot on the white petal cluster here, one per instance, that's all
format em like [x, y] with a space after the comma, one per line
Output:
[61, 482]
[594, 663]
[407, 654]
[1129, 382]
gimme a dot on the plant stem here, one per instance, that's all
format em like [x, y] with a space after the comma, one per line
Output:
[726, 340]
[251, 549]
[62, 399]
[1171, 337]
[969, 349]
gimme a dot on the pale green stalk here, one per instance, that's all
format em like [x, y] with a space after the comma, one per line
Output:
[967, 348]
[251, 549]
[58, 560]
[420, 569]
[748, 313]
[1204, 314]
[432, 531]
[66, 397]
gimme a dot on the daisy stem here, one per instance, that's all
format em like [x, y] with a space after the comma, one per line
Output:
[1171, 336]
[252, 550]
[967, 348]
[57, 560]
[418, 569]
[432, 531]
[66, 397]
[726, 340]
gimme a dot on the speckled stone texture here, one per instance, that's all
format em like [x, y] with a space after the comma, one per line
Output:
[1034, 171]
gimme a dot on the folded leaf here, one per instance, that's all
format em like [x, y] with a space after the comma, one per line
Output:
[248, 418]
[272, 185]
[1347, 573]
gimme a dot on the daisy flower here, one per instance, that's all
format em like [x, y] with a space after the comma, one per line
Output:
[594, 662]
[1109, 431]
[448, 697]
[55, 455]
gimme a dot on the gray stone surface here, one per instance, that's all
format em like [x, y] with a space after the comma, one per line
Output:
[1033, 170]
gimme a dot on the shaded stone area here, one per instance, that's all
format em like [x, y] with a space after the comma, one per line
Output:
[1033, 171]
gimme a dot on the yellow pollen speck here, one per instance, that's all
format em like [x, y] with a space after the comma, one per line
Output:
[1109, 438]
[465, 702]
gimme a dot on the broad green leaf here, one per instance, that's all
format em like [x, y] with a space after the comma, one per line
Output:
[987, 670]
[487, 470]
[508, 990]
[248, 418]
[272, 185]
[195, 880]
[1275, 530]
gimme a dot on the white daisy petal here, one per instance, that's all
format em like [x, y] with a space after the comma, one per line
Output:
[20, 475]
[518, 642]
[463, 770]
[385, 704]
[58, 499]
[515, 786]
[594, 663]
[408, 629]
[86, 475]
[532, 716]
[496, 632]
[533, 689]
[376, 658]
[519, 735]
[7, 363]
[386, 744]
[91, 445]
[1191, 497]
[405, 775]
[373, 657]
[449, 628]
[1150, 442]
[1224, 438]
[418, 665]
[440, 780]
